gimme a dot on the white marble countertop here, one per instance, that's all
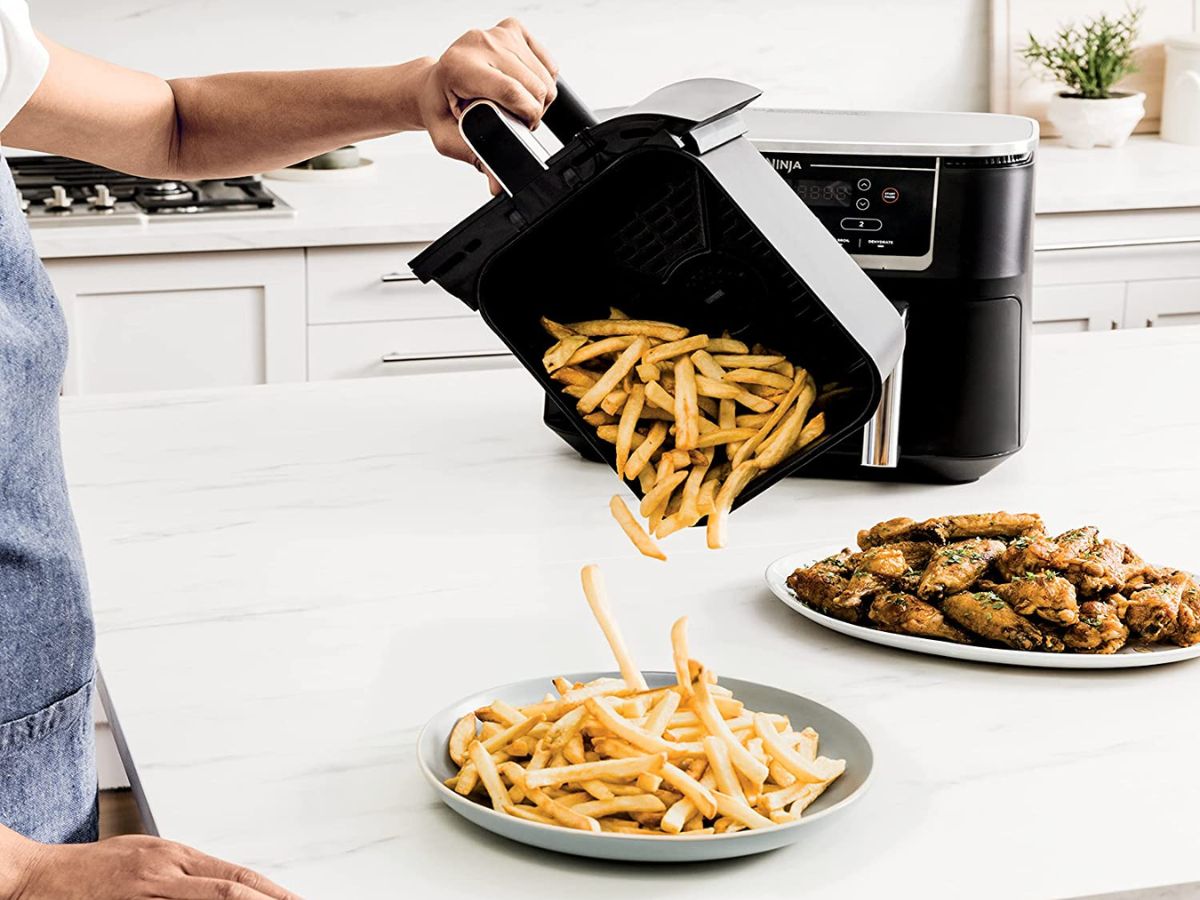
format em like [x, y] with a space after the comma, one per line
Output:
[413, 195]
[288, 580]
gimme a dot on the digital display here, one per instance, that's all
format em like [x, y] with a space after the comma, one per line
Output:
[822, 193]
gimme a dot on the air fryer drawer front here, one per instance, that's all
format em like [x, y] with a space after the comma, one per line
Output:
[961, 394]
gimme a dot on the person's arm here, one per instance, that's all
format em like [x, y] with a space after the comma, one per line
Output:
[237, 124]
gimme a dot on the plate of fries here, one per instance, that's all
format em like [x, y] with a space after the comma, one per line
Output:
[693, 423]
[667, 766]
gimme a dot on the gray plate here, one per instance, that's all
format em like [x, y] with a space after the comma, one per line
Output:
[840, 738]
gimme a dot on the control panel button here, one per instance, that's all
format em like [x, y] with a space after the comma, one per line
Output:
[861, 224]
[889, 195]
[862, 203]
[864, 184]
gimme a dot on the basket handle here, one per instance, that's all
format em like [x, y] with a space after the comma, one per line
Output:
[505, 145]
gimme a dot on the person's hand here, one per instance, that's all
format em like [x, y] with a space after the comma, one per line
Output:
[137, 868]
[504, 64]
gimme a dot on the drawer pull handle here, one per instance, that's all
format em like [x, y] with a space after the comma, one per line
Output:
[388, 358]
[394, 277]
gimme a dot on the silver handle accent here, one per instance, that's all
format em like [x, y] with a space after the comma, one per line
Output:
[1117, 244]
[881, 435]
[393, 277]
[389, 358]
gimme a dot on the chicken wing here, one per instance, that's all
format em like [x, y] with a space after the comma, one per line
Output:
[819, 584]
[875, 570]
[1153, 611]
[1168, 611]
[902, 529]
[957, 566]
[906, 614]
[994, 525]
[1045, 595]
[1099, 628]
[985, 614]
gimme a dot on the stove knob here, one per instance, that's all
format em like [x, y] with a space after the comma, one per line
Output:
[58, 201]
[103, 198]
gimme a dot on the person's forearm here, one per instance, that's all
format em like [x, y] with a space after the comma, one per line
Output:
[213, 126]
[254, 121]
[16, 855]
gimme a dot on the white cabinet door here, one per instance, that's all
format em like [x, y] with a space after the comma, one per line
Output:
[1078, 307]
[1173, 301]
[182, 320]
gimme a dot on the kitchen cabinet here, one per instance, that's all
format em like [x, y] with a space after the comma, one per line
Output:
[1129, 271]
[1078, 307]
[1163, 302]
[190, 320]
[369, 315]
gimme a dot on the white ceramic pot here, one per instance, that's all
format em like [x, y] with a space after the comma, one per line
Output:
[1087, 123]
[1181, 90]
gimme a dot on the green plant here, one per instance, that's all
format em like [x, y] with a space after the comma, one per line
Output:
[1089, 58]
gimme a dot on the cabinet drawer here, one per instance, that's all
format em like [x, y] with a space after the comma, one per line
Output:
[372, 284]
[1078, 307]
[365, 349]
[1169, 301]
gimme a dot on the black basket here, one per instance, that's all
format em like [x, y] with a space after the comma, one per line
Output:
[627, 217]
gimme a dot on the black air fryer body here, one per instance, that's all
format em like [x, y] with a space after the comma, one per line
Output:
[937, 208]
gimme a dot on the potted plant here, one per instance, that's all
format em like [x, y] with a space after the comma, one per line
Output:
[1088, 60]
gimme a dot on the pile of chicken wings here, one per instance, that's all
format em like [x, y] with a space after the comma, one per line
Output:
[999, 579]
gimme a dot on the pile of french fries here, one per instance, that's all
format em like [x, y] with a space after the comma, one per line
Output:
[694, 418]
[615, 755]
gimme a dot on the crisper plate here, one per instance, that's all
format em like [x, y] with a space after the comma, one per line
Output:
[1129, 657]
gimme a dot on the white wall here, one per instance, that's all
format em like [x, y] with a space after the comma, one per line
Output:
[928, 54]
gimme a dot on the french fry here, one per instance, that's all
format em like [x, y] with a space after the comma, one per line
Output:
[486, 767]
[633, 530]
[735, 809]
[610, 379]
[778, 447]
[597, 598]
[661, 492]
[561, 353]
[711, 387]
[619, 327]
[719, 764]
[557, 331]
[742, 360]
[606, 769]
[639, 457]
[671, 349]
[648, 373]
[659, 393]
[461, 736]
[704, 707]
[805, 771]
[628, 423]
[768, 426]
[726, 345]
[724, 436]
[763, 377]
[593, 349]
[636, 803]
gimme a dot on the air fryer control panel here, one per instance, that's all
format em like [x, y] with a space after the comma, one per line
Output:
[881, 209]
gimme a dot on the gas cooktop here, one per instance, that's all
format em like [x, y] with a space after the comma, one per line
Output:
[56, 190]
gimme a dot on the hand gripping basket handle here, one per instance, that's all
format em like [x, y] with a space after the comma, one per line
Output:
[507, 148]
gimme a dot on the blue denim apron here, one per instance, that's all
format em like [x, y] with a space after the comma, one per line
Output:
[47, 760]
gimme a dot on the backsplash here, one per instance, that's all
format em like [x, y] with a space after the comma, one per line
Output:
[924, 54]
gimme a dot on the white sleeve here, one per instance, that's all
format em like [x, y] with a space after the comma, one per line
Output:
[23, 59]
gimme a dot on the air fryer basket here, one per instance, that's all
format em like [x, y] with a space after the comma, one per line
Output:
[656, 235]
